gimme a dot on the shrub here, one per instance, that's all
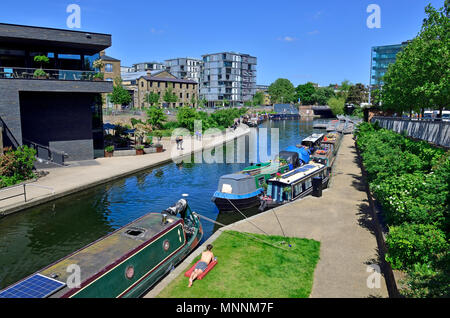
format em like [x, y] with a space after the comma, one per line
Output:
[109, 148]
[17, 166]
[410, 244]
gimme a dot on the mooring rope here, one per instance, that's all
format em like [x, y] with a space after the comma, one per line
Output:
[247, 218]
[273, 210]
[231, 233]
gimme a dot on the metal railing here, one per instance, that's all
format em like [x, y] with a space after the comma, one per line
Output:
[51, 74]
[24, 193]
[46, 153]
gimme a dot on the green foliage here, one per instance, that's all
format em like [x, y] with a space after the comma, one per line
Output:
[41, 59]
[40, 73]
[169, 96]
[152, 98]
[411, 244]
[305, 92]
[109, 148]
[357, 94]
[99, 75]
[258, 99]
[119, 96]
[411, 180]
[16, 166]
[156, 116]
[186, 117]
[337, 105]
[420, 77]
[282, 91]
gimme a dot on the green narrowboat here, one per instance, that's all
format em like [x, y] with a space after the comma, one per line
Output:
[264, 171]
[125, 263]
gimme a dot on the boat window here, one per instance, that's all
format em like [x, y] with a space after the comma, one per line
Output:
[227, 188]
[308, 183]
[261, 181]
[298, 189]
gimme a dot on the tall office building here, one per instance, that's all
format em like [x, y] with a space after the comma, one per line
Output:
[228, 76]
[381, 58]
[184, 68]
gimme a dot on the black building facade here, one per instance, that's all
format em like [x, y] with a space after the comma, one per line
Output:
[55, 103]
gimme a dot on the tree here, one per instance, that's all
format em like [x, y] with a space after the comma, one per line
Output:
[321, 95]
[152, 98]
[282, 91]
[156, 117]
[305, 93]
[193, 100]
[258, 99]
[169, 96]
[337, 105]
[186, 117]
[119, 96]
[420, 77]
[357, 94]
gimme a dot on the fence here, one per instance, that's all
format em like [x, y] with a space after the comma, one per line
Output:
[436, 132]
[24, 193]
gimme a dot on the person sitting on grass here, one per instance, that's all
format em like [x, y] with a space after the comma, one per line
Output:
[207, 257]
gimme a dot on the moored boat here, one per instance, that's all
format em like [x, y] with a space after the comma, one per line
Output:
[125, 263]
[294, 185]
[326, 152]
[311, 143]
[236, 191]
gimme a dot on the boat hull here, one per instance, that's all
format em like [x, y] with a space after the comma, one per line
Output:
[230, 205]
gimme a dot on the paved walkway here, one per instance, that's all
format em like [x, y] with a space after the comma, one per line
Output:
[83, 175]
[340, 220]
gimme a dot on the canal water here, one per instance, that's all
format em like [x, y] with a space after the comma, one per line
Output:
[33, 239]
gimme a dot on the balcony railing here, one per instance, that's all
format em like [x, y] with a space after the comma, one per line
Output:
[50, 74]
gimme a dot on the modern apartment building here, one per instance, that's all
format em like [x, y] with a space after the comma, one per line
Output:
[381, 58]
[53, 105]
[184, 68]
[148, 66]
[228, 76]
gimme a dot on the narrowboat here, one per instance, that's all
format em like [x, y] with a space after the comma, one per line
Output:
[326, 153]
[294, 185]
[125, 263]
[236, 191]
[284, 162]
[311, 143]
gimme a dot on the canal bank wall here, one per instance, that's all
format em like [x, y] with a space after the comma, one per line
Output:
[84, 175]
[341, 220]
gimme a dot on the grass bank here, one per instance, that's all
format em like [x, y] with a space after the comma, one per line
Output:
[248, 268]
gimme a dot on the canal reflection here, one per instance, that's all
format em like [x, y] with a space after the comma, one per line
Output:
[37, 237]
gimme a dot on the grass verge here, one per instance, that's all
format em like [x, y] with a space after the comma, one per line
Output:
[248, 268]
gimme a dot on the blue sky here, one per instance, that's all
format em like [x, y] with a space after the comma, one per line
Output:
[323, 41]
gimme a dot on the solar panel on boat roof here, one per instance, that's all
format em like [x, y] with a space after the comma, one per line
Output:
[36, 286]
[301, 169]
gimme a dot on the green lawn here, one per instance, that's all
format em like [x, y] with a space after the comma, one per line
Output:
[248, 268]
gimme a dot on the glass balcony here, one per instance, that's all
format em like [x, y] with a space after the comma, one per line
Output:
[50, 74]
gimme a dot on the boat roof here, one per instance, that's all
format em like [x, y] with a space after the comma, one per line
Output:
[236, 177]
[299, 173]
[313, 138]
[95, 257]
[257, 166]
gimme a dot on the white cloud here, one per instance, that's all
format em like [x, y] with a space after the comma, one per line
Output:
[315, 32]
[287, 39]
[155, 31]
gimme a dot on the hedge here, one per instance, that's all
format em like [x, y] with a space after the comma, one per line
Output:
[411, 180]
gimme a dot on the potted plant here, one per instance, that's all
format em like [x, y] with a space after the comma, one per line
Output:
[159, 135]
[41, 59]
[139, 150]
[40, 73]
[99, 76]
[109, 150]
[98, 64]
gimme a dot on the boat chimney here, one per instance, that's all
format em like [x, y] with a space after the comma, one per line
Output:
[164, 219]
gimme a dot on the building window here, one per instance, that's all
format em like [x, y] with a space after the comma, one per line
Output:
[181, 95]
[108, 68]
[166, 84]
